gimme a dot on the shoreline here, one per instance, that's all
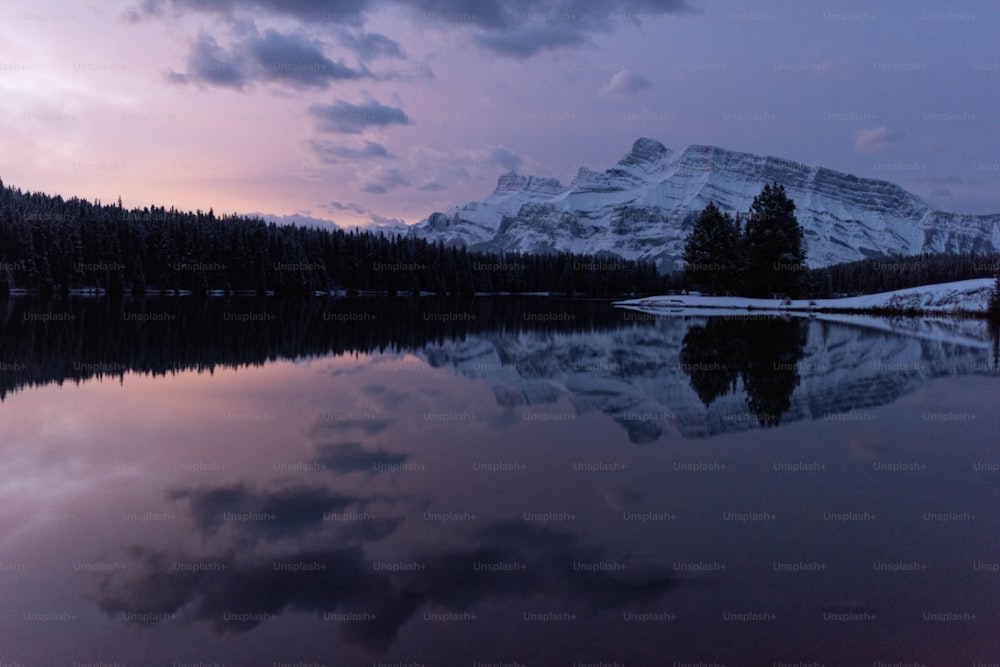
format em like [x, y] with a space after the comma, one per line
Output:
[966, 299]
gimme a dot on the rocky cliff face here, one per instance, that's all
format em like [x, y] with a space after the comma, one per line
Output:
[644, 206]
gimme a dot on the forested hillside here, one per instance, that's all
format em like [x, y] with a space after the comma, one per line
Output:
[51, 245]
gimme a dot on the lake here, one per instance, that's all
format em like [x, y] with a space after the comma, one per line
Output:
[498, 482]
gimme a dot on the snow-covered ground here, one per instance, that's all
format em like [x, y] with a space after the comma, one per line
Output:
[962, 297]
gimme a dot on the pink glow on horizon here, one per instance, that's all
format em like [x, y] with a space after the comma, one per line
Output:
[88, 110]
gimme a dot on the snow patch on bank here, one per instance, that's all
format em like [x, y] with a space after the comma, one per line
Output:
[962, 297]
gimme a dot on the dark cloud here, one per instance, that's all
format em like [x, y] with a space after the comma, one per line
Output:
[503, 157]
[347, 118]
[330, 153]
[371, 45]
[289, 59]
[342, 579]
[273, 513]
[518, 28]
[371, 530]
[383, 181]
[210, 64]
[639, 585]
[350, 12]
[524, 28]
[367, 427]
[433, 186]
[356, 208]
[341, 576]
[487, 14]
[354, 457]
[144, 10]
[294, 60]
[530, 40]
[387, 396]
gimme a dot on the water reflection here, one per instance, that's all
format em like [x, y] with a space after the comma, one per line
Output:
[698, 377]
[764, 354]
[327, 569]
[425, 504]
[656, 377]
[75, 339]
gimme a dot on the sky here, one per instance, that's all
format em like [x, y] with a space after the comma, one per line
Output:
[370, 111]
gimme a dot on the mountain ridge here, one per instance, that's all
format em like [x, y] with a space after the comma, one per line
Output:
[644, 205]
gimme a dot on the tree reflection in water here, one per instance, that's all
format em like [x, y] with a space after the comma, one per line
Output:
[762, 353]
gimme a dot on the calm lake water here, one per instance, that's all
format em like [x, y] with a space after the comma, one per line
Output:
[506, 482]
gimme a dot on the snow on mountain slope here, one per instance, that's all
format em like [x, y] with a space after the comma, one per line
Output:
[643, 207]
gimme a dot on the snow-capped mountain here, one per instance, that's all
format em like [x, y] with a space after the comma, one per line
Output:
[644, 206]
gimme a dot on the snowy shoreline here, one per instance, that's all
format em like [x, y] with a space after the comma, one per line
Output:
[965, 298]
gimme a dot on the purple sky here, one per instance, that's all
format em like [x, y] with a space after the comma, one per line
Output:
[351, 110]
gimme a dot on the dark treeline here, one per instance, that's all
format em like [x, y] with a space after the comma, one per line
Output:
[50, 245]
[885, 274]
[74, 339]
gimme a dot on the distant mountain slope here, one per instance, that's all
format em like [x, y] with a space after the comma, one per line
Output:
[643, 207]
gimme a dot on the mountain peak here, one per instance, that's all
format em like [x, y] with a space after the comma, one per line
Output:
[508, 182]
[638, 209]
[583, 175]
[511, 182]
[645, 150]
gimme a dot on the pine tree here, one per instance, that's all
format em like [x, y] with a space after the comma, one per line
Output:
[774, 252]
[711, 251]
[138, 276]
